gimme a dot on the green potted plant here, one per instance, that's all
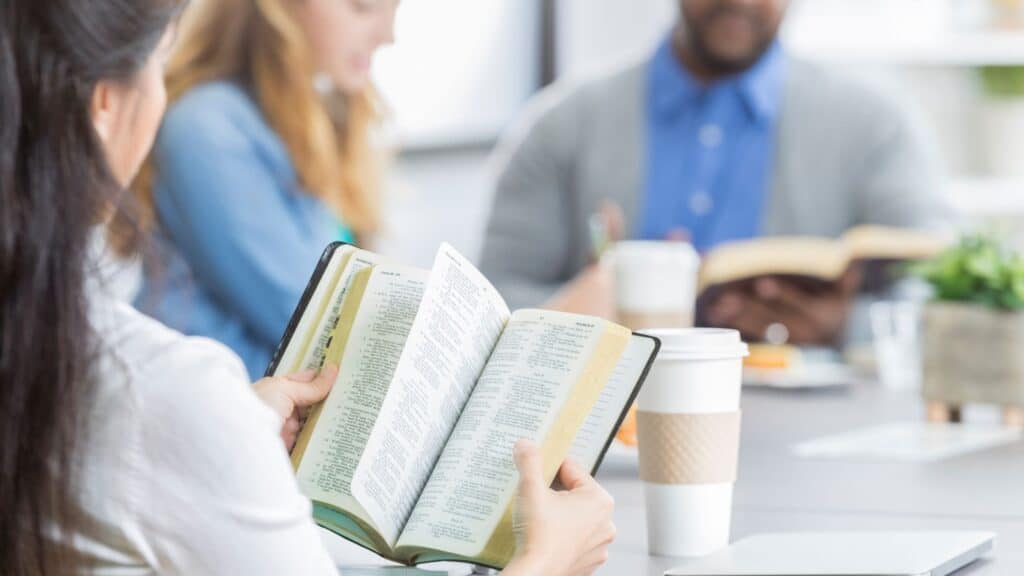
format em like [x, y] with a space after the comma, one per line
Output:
[973, 338]
[1002, 120]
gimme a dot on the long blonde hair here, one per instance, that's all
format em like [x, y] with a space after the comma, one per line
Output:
[259, 43]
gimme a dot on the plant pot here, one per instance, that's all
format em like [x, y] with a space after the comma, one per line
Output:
[1002, 136]
[973, 354]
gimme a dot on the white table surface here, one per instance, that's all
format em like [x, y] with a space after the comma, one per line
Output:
[778, 491]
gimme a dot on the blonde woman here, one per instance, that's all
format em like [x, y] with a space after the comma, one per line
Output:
[263, 159]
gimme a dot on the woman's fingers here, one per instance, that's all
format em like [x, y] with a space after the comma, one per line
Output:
[290, 432]
[572, 475]
[603, 532]
[304, 376]
[590, 561]
[530, 466]
[595, 552]
[308, 392]
[565, 532]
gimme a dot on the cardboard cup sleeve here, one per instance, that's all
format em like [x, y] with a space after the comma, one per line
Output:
[688, 448]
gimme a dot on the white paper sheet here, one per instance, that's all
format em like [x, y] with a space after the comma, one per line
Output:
[909, 442]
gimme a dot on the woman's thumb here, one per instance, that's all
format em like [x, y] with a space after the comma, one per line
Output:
[530, 465]
[311, 392]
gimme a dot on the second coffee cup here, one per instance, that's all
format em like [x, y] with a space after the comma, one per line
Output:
[655, 283]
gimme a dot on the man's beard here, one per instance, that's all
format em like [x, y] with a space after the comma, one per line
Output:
[717, 64]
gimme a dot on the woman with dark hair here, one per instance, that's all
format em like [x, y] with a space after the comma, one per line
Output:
[125, 447]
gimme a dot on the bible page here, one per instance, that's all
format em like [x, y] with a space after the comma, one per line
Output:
[604, 416]
[375, 343]
[537, 375]
[457, 326]
[315, 352]
[291, 360]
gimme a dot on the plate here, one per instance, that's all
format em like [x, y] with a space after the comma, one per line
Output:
[806, 376]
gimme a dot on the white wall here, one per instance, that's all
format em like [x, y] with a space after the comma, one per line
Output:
[433, 198]
[459, 69]
[931, 50]
[906, 43]
[597, 34]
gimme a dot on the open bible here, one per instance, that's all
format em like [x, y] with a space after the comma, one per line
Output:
[410, 455]
[823, 260]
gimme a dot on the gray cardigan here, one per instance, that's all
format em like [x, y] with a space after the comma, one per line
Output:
[846, 154]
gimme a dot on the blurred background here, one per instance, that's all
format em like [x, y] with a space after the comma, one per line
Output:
[461, 70]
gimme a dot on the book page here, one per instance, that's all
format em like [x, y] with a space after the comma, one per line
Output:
[535, 369]
[822, 258]
[368, 362]
[869, 242]
[457, 326]
[316, 350]
[604, 416]
[292, 359]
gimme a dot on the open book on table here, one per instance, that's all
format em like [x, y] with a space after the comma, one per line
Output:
[411, 453]
[821, 260]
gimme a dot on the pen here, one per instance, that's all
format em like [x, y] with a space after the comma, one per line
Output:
[600, 238]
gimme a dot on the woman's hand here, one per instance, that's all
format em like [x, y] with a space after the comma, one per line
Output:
[289, 396]
[559, 533]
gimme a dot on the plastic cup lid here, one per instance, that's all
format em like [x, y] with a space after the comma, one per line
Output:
[699, 343]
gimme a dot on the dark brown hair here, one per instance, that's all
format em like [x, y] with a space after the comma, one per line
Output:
[55, 186]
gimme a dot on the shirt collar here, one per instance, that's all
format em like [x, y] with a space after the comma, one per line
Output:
[759, 87]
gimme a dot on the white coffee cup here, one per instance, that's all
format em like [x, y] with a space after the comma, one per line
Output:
[655, 283]
[688, 427]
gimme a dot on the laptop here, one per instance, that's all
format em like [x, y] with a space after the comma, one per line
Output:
[844, 554]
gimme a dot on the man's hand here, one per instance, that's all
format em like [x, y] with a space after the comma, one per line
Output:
[811, 317]
[591, 292]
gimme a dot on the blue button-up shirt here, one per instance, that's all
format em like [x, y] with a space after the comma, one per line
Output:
[710, 150]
